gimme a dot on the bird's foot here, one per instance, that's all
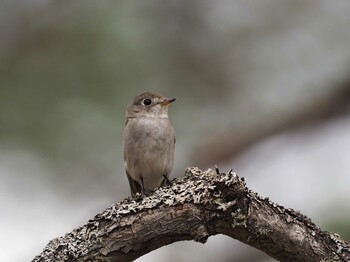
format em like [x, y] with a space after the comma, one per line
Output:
[145, 192]
[167, 180]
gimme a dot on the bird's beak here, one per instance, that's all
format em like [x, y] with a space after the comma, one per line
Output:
[167, 101]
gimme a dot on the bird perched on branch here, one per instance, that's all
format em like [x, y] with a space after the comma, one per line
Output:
[149, 142]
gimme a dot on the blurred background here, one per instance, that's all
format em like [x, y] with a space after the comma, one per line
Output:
[262, 87]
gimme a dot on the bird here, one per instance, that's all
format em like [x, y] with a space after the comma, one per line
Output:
[149, 142]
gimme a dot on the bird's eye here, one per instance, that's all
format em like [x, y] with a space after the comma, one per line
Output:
[147, 102]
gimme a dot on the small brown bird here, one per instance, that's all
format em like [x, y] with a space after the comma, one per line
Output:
[149, 142]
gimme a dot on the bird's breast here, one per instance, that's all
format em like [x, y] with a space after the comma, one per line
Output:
[149, 149]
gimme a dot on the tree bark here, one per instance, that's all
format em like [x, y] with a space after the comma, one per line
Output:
[195, 207]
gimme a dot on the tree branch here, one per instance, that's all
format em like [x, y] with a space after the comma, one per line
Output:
[197, 206]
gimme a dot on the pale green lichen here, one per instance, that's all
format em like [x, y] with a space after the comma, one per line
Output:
[263, 231]
[196, 187]
[239, 218]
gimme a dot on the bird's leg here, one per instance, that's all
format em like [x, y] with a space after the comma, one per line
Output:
[217, 170]
[143, 190]
[167, 180]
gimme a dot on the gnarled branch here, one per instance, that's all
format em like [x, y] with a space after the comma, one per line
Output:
[197, 206]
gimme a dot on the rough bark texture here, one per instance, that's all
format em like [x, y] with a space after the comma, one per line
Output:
[197, 206]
